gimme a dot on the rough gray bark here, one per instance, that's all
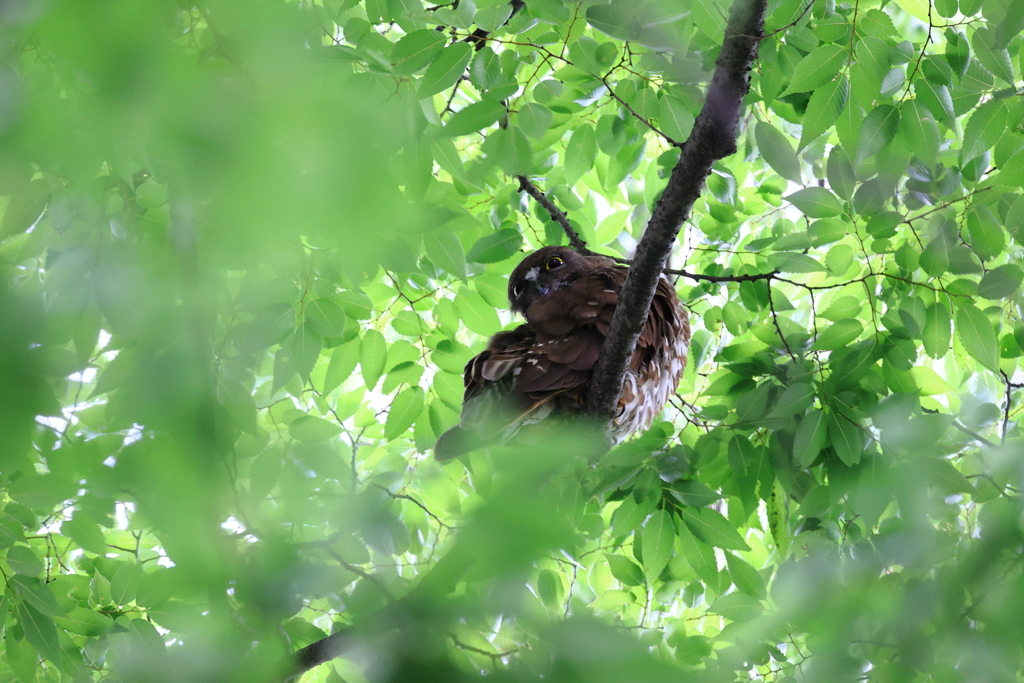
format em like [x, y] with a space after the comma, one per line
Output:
[713, 138]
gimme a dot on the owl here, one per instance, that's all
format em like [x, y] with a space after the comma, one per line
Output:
[543, 367]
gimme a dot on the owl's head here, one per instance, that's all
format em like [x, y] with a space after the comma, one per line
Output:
[542, 272]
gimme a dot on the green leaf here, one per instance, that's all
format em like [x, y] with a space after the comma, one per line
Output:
[24, 208]
[700, 556]
[658, 539]
[877, 131]
[86, 533]
[794, 400]
[674, 118]
[496, 247]
[39, 595]
[580, 153]
[510, 149]
[841, 333]
[373, 353]
[343, 361]
[919, 131]
[975, 332]
[1000, 282]
[304, 350]
[817, 68]
[711, 527]
[935, 257]
[873, 57]
[986, 234]
[816, 202]
[777, 151]
[125, 582]
[943, 474]
[404, 410]
[485, 70]
[810, 438]
[625, 570]
[839, 172]
[445, 250]
[325, 318]
[85, 622]
[746, 578]
[937, 99]
[792, 262]
[445, 70]
[823, 110]
[958, 52]
[475, 117]
[846, 438]
[24, 561]
[612, 20]
[478, 315]
[534, 119]
[40, 632]
[936, 334]
[737, 607]
[312, 428]
[415, 50]
[995, 59]
[986, 125]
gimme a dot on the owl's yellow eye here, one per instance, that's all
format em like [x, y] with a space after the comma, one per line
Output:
[554, 262]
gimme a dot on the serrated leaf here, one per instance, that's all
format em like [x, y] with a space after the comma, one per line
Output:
[938, 100]
[995, 59]
[935, 257]
[943, 474]
[326, 318]
[873, 57]
[580, 153]
[534, 119]
[478, 315]
[974, 330]
[674, 118]
[700, 556]
[85, 622]
[373, 353]
[125, 582]
[746, 578]
[1000, 282]
[810, 438]
[711, 527]
[777, 151]
[936, 333]
[846, 438]
[312, 428]
[794, 400]
[404, 410]
[304, 350]
[986, 125]
[877, 131]
[823, 110]
[496, 246]
[510, 149]
[986, 234]
[817, 68]
[446, 69]
[737, 607]
[343, 361]
[475, 117]
[445, 250]
[40, 632]
[625, 570]
[919, 131]
[816, 202]
[485, 70]
[39, 595]
[415, 50]
[86, 533]
[792, 262]
[841, 333]
[24, 561]
[658, 539]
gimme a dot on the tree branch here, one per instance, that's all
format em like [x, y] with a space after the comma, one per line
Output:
[713, 138]
[557, 215]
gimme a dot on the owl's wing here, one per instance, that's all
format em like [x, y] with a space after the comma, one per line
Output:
[513, 383]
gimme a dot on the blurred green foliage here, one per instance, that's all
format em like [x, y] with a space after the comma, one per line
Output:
[246, 248]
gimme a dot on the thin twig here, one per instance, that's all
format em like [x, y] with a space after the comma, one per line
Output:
[557, 215]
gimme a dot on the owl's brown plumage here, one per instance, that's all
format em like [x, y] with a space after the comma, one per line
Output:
[544, 365]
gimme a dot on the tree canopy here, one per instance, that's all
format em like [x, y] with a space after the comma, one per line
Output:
[247, 247]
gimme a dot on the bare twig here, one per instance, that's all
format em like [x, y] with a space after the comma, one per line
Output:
[557, 215]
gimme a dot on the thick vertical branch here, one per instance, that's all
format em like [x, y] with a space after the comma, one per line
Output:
[713, 138]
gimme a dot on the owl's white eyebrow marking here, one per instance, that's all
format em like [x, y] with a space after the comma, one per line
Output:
[532, 273]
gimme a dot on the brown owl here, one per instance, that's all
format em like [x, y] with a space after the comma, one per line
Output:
[544, 365]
